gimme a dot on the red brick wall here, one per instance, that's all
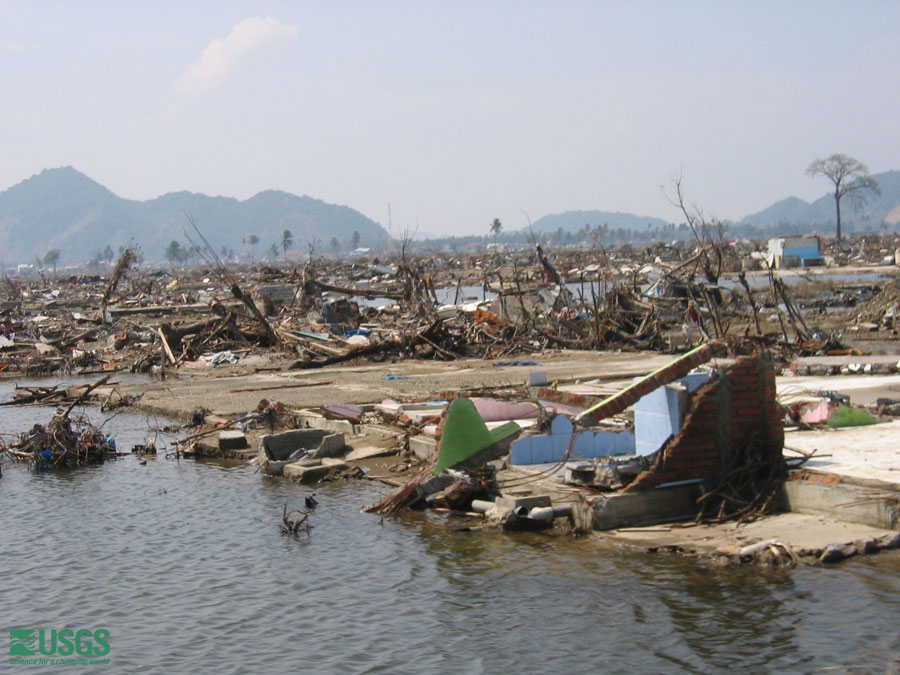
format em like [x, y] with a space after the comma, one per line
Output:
[724, 416]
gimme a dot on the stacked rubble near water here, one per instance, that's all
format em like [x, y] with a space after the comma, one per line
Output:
[327, 312]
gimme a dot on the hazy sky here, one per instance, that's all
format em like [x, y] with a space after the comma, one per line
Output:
[454, 112]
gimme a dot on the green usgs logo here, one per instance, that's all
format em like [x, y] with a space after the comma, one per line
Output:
[30, 641]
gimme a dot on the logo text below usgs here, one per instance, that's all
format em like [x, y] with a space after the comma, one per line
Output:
[84, 645]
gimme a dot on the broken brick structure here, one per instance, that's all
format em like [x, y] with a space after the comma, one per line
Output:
[731, 439]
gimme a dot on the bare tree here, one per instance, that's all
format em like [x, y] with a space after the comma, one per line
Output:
[700, 228]
[849, 177]
[174, 252]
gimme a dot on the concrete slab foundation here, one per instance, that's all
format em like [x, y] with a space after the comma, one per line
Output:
[645, 508]
[843, 501]
[276, 451]
[312, 471]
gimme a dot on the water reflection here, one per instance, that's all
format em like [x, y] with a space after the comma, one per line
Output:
[711, 612]
[185, 564]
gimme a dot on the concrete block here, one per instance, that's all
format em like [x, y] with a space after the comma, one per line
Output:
[537, 379]
[423, 446]
[333, 461]
[389, 408]
[278, 450]
[332, 446]
[279, 295]
[530, 502]
[842, 501]
[418, 415]
[415, 411]
[434, 484]
[305, 472]
[232, 440]
[634, 509]
[313, 420]
[580, 475]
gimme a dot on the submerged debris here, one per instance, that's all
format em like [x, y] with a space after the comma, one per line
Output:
[292, 525]
[63, 444]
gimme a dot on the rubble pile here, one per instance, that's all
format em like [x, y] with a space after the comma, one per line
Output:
[883, 309]
[62, 444]
[425, 306]
[690, 441]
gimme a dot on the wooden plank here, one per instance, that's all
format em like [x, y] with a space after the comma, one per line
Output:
[165, 344]
[293, 385]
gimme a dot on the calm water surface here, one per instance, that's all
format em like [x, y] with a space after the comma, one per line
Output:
[449, 295]
[184, 563]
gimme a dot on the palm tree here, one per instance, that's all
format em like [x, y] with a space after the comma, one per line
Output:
[253, 240]
[287, 238]
[51, 257]
[496, 226]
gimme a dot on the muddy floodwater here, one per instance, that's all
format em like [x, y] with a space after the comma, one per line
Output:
[183, 562]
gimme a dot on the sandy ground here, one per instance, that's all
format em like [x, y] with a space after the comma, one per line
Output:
[867, 453]
[238, 389]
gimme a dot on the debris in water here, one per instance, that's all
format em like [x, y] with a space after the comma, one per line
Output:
[63, 444]
[293, 525]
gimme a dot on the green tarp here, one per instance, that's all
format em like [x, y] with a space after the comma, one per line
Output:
[465, 434]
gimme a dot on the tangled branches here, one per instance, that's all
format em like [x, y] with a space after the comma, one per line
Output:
[292, 525]
[63, 444]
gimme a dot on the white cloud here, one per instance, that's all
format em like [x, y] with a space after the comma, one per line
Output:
[222, 55]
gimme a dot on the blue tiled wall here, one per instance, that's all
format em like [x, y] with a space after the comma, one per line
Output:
[549, 449]
[660, 413]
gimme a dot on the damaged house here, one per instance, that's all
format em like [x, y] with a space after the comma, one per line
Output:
[705, 445]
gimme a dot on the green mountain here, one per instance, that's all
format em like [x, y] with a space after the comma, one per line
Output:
[794, 211]
[64, 209]
[791, 214]
[572, 221]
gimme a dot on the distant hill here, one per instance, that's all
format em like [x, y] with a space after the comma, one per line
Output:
[792, 214]
[571, 221]
[64, 209]
[794, 211]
